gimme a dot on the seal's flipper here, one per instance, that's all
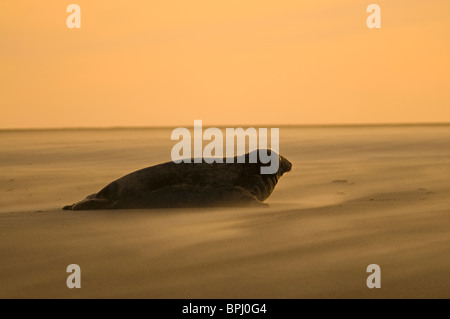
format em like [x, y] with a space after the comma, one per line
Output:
[89, 203]
[243, 197]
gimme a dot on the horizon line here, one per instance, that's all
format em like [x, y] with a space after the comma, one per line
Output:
[314, 125]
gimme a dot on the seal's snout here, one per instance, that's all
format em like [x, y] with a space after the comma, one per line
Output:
[285, 165]
[288, 166]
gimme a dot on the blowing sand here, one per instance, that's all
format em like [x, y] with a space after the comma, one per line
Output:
[356, 196]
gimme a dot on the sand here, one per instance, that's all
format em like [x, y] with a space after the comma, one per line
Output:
[388, 205]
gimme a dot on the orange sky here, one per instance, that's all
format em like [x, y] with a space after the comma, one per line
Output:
[233, 62]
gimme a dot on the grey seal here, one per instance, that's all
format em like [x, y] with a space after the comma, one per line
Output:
[171, 185]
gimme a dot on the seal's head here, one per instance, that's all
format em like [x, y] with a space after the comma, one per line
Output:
[284, 166]
[262, 176]
[269, 161]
